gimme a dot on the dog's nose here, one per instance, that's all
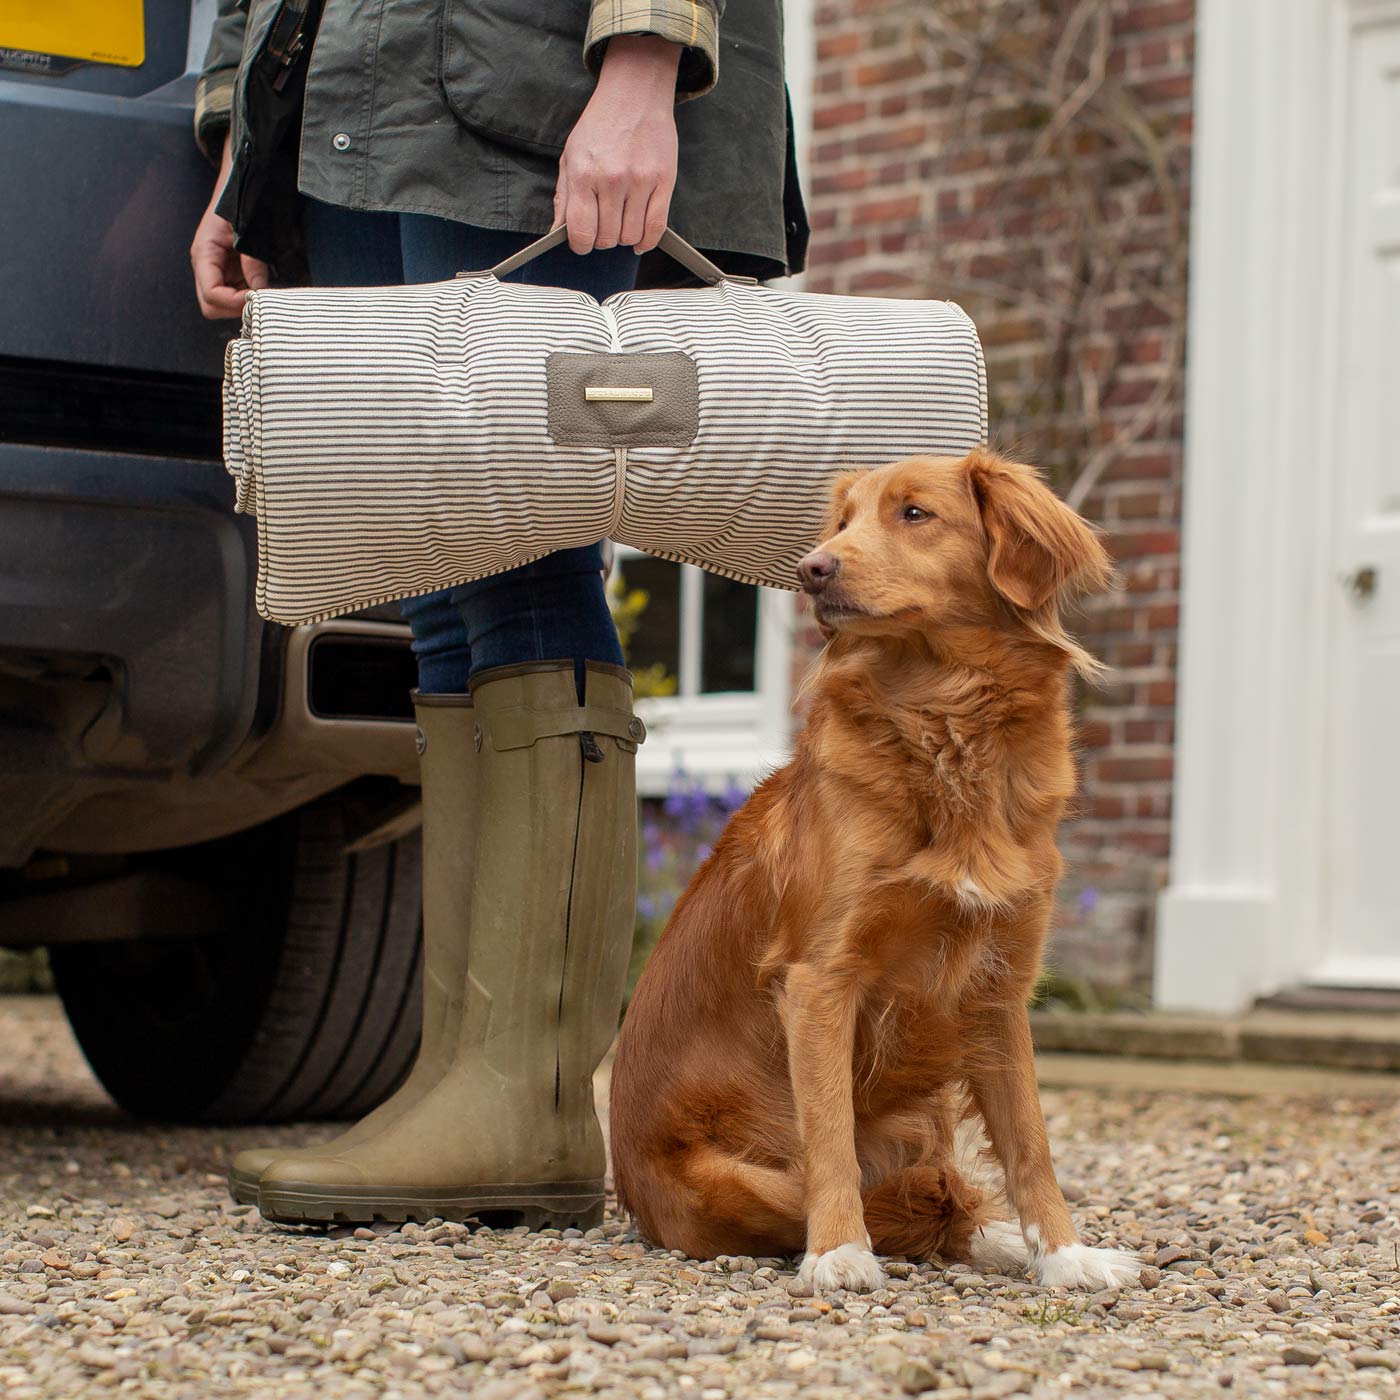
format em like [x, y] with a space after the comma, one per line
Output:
[818, 569]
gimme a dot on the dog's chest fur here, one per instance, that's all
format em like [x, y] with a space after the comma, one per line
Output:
[942, 787]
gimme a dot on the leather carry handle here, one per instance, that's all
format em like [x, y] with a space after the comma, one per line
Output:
[672, 244]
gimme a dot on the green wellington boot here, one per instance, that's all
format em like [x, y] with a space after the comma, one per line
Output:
[447, 751]
[510, 1134]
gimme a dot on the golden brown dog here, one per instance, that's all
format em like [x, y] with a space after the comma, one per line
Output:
[848, 972]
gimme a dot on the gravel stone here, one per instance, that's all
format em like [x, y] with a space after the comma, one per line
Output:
[1267, 1229]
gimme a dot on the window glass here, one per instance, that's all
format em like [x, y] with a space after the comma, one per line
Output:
[730, 634]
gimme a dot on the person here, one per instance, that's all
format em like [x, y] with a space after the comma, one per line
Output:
[364, 144]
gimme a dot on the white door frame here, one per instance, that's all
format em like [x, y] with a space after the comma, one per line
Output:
[1242, 914]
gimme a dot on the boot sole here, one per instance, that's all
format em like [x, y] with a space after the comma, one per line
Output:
[243, 1187]
[551, 1205]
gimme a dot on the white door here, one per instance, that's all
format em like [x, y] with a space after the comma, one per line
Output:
[1362, 843]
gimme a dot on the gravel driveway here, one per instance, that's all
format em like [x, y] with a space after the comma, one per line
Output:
[1267, 1229]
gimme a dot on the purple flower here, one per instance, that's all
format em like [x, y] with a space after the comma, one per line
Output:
[687, 803]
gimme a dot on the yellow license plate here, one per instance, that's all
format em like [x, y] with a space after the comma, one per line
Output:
[91, 31]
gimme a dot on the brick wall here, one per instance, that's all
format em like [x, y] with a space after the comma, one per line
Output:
[1031, 159]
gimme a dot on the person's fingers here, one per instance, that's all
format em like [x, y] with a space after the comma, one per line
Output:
[582, 217]
[219, 302]
[561, 194]
[256, 273]
[658, 215]
[612, 191]
[634, 216]
[216, 290]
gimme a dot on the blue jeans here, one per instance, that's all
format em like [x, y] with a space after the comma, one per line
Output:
[554, 608]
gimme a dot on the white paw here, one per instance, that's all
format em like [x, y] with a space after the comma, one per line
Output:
[1080, 1266]
[999, 1248]
[850, 1266]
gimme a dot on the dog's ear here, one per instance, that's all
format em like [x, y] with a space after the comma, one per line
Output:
[840, 489]
[1038, 548]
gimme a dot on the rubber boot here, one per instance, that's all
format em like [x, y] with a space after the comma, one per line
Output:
[447, 763]
[510, 1134]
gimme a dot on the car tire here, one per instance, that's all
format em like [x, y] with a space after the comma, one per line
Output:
[310, 1009]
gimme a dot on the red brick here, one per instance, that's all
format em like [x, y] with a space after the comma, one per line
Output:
[1158, 14]
[894, 139]
[883, 211]
[1173, 89]
[840, 249]
[1154, 53]
[1133, 770]
[837, 114]
[879, 280]
[840, 45]
[1137, 654]
[1141, 542]
[856, 179]
[1157, 843]
[1147, 505]
[890, 70]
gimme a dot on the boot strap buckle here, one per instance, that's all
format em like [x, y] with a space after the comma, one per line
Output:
[520, 727]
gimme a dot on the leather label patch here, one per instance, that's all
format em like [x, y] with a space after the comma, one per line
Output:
[646, 399]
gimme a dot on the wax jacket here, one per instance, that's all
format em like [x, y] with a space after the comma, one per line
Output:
[460, 108]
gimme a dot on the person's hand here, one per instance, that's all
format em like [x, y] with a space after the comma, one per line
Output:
[618, 168]
[223, 276]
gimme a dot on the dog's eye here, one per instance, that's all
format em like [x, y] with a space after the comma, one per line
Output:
[916, 513]
[840, 525]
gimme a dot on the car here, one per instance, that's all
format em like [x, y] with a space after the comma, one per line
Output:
[208, 820]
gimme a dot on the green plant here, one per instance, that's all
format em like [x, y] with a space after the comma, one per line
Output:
[1048, 1312]
[627, 606]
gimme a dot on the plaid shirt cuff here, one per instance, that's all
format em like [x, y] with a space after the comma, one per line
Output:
[694, 24]
[213, 111]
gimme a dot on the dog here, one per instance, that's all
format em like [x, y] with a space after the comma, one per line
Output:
[846, 977]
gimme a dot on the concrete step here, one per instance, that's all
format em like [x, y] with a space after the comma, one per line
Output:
[1234, 1080]
[1332, 1040]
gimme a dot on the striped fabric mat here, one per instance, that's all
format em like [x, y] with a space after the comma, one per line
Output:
[392, 441]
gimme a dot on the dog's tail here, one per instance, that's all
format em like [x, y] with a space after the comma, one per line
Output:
[934, 1212]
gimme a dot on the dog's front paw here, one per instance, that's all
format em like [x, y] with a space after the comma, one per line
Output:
[997, 1246]
[1081, 1266]
[850, 1266]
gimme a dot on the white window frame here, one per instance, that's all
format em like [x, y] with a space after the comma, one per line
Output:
[729, 736]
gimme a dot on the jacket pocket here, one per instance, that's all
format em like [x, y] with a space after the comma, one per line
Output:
[514, 72]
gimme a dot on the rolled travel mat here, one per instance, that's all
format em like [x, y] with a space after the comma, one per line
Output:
[396, 440]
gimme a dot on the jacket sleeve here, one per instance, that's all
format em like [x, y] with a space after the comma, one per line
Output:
[213, 95]
[694, 24]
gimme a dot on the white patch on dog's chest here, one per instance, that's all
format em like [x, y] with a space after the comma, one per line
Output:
[971, 896]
